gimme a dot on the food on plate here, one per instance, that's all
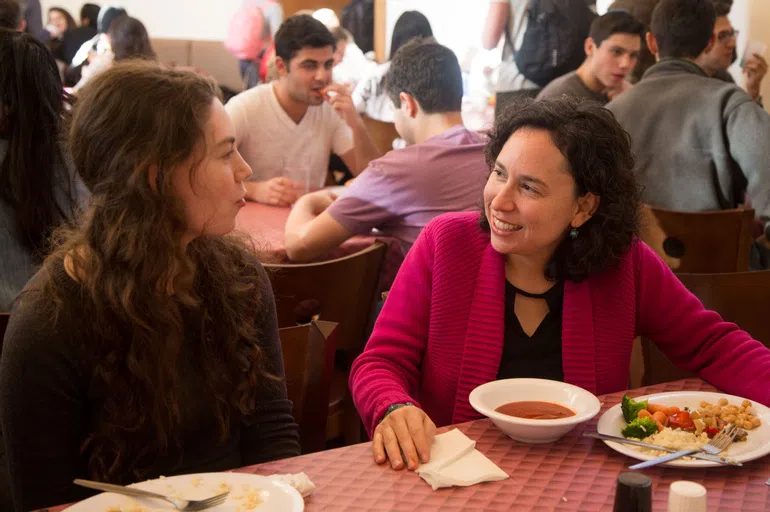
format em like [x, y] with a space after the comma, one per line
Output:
[534, 410]
[640, 428]
[674, 439]
[683, 428]
[743, 416]
[631, 408]
[244, 498]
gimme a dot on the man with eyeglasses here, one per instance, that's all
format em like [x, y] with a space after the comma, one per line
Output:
[721, 55]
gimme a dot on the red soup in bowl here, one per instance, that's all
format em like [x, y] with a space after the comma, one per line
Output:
[535, 410]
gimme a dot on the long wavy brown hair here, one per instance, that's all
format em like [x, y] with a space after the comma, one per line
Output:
[140, 290]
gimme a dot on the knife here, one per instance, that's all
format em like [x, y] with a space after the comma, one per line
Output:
[623, 440]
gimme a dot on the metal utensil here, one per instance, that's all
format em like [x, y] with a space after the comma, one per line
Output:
[717, 445]
[634, 442]
[179, 504]
[768, 482]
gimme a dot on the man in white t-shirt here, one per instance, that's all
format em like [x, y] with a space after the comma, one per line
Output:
[286, 130]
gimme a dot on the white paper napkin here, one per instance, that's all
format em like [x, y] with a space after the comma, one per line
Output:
[454, 461]
[299, 481]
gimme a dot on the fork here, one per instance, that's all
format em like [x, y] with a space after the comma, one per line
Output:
[179, 504]
[717, 445]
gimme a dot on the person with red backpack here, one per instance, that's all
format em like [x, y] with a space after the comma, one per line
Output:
[250, 36]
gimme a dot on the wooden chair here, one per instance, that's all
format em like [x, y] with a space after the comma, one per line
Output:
[700, 242]
[383, 134]
[343, 290]
[741, 298]
[308, 360]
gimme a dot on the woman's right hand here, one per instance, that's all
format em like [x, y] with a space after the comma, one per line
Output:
[406, 433]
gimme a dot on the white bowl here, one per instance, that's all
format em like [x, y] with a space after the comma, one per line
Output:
[488, 397]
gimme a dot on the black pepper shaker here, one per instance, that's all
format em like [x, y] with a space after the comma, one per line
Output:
[633, 493]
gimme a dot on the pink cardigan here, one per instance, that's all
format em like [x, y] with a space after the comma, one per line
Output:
[440, 334]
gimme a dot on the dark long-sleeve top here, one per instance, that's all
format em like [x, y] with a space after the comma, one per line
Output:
[47, 403]
[33, 15]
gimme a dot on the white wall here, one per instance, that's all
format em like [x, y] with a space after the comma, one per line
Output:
[173, 19]
[455, 23]
[755, 22]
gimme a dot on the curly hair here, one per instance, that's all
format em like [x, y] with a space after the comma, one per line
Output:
[139, 290]
[430, 73]
[599, 157]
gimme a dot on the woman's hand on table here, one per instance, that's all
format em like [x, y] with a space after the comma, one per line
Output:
[278, 191]
[404, 437]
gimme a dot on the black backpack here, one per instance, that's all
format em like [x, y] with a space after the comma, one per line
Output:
[358, 18]
[553, 43]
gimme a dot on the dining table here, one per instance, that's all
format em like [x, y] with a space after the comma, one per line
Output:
[573, 473]
[265, 226]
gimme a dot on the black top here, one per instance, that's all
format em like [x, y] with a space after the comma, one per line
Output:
[537, 356]
[72, 41]
[47, 403]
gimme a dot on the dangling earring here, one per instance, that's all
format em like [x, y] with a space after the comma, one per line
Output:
[573, 234]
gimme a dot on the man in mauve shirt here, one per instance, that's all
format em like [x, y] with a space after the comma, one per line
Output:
[442, 169]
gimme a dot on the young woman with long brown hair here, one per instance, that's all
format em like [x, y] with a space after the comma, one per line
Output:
[147, 345]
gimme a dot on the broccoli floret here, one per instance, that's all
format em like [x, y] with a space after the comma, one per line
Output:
[640, 428]
[631, 408]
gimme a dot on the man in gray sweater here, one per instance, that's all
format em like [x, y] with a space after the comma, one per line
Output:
[701, 144]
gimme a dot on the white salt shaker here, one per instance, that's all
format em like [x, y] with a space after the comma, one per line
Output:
[684, 496]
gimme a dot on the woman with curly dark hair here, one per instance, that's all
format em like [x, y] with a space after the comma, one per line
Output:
[552, 283]
[147, 345]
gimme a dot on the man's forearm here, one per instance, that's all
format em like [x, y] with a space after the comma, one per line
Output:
[296, 232]
[301, 214]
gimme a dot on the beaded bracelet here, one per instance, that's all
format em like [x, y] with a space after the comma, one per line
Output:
[395, 407]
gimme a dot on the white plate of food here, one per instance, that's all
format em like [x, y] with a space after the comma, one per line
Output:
[691, 419]
[247, 493]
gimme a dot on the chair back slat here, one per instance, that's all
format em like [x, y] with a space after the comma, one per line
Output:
[700, 242]
[341, 290]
